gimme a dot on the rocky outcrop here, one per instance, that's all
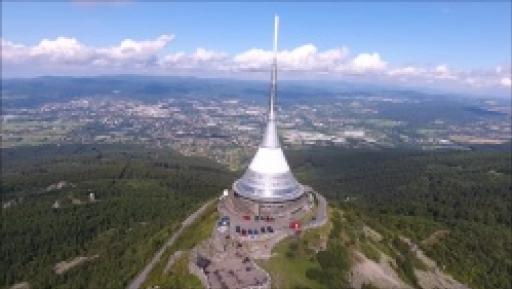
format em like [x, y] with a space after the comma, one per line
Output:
[381, 274]
[64, 266]
[384, 275]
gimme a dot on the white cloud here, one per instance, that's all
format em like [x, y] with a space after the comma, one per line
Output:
[253, 59]
[203, 55]
[443, 72]
[13, 52]
[406, 71]
[69, 51]
[497, 77]
[200, 59]
[305, 57]
[69, 54]
[135, 50]
[367, 62]
[505, 81]
[302, 57]
[62, 49]
[172, 59]
[472, 81]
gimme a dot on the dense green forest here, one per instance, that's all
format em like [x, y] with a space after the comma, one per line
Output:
[141, 197]
[465, 197]
[142, 194]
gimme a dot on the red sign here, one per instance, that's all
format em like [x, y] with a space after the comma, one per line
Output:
[295, 225]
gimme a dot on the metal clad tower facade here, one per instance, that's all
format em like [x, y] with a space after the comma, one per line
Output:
[268, 178]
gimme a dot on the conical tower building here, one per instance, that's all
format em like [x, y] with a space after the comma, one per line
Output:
[268, 181]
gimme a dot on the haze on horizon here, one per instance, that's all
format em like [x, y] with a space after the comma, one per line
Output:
[462, 47]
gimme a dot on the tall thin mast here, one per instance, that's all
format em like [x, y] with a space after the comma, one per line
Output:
[270, 138]
[274, 70]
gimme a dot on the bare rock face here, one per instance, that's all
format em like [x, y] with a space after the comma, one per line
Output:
[8, 204]
[56, 205]
[381, 274]
[433, 277]
[436, 279]
[435, 237]
[64, 266]
[21, 285]
[372, 234]
[58, 186]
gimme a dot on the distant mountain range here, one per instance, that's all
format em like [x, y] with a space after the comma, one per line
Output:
[31, 92]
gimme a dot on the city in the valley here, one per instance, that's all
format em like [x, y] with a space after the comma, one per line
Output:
[226, 125]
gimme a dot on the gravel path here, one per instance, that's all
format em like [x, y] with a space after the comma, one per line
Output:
[141, 277]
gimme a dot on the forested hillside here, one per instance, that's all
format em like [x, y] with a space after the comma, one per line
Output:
[48, 216]
[456, 205]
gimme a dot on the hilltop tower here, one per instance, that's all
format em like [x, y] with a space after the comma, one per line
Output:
[263, 207]
[268, 185]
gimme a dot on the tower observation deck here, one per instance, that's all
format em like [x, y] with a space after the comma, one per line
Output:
[269, 178]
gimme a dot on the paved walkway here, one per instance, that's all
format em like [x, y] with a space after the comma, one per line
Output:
[321, 213]
[141, 277]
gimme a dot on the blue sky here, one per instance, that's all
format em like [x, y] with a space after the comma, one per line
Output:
[467, 38]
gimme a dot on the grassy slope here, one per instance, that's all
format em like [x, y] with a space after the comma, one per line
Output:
[293, 257]
[290, 272]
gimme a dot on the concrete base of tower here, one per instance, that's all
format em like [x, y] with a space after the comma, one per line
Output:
[259, 226]
[277, 210]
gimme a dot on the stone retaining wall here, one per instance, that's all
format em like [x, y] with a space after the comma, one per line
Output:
[195, 270]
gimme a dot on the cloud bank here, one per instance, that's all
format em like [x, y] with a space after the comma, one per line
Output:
[68, 54]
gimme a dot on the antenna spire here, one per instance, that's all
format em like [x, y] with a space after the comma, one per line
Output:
[270, 138]
[274, 69]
